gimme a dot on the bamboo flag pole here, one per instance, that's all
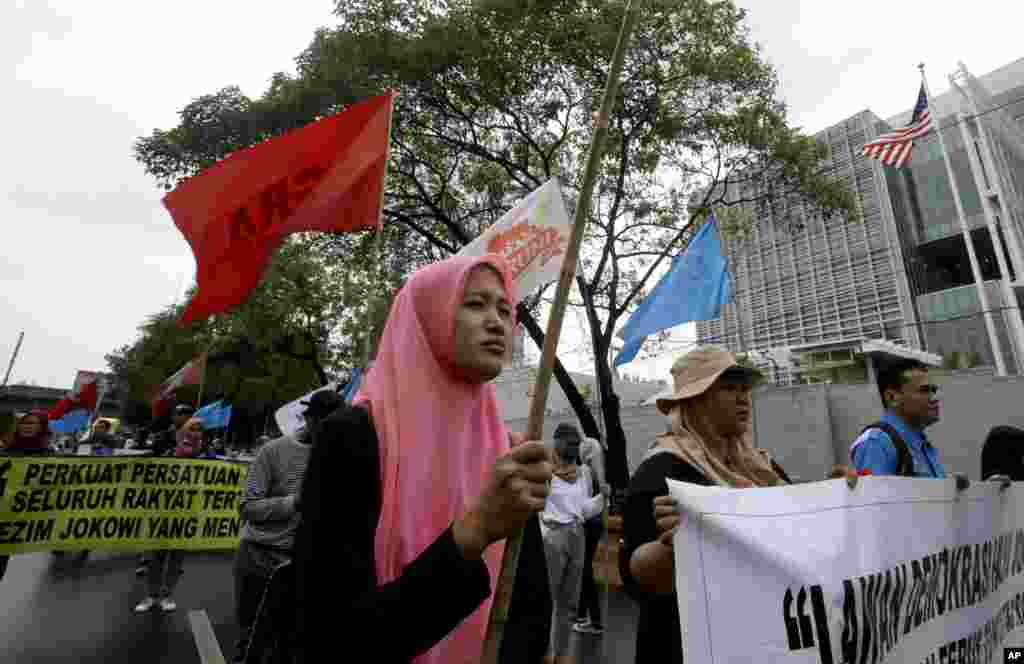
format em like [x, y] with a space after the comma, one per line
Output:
[373, 303]
[535, 426]
[202, 379]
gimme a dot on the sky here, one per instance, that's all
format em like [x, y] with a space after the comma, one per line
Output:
[89, 250]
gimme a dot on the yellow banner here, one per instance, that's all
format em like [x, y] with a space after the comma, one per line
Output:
[118, 503]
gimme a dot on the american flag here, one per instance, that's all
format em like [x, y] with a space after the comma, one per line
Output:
[894, 148]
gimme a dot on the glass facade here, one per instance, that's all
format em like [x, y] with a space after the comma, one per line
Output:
[903, 274]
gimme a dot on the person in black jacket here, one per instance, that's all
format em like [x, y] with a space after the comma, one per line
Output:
[409, 491]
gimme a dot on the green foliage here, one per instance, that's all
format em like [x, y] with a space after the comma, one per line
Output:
[496, 97]
[302, 324]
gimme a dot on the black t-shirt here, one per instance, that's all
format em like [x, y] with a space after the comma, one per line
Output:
[658, 638]
[338, 598]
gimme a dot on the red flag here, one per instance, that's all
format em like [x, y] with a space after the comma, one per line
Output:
[82, 396]
[327, 176]
[190, 374]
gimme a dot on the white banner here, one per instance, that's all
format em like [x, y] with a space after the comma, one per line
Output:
[532, 237]
[289, 416]
[894, 571]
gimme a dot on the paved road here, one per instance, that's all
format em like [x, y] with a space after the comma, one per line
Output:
[58, 611]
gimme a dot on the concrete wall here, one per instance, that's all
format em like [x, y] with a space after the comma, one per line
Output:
[793, 424]
[809, 428]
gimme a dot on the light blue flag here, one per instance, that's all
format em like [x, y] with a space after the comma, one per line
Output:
[694, 289]
[76, 420]
[215, 415]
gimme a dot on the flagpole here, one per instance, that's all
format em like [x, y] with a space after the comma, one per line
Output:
[373, 303]
[535, 426]
[202, 378]
[14, 356]
[101, 392]
[993, 336]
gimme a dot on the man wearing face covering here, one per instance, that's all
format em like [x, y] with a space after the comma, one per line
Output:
[271, 512]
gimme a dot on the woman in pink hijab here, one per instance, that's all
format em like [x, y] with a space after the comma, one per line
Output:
[409, 490]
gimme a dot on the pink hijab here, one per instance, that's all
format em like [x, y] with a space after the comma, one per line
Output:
[439, 435]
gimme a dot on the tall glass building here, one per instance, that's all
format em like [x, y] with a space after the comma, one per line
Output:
[815, 288]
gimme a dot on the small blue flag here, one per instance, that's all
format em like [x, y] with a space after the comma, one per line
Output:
[216, 415]
[694, 289]
[76, 420]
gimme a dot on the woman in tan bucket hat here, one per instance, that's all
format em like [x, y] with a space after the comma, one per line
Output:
[708, 444]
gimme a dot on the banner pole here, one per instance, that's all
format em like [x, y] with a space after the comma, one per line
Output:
[373, 302]
[535, 427]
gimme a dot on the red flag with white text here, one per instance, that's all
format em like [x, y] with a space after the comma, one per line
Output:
[327, 176]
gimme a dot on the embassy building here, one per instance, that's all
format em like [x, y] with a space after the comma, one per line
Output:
[811, 294]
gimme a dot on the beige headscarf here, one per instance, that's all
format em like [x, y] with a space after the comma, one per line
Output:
[741, 464]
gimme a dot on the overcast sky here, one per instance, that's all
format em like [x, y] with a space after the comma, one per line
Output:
[89, 251]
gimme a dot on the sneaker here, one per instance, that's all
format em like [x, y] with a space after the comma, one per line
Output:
[142, 570]
[581, 622]
[167, 604]
[588, 628]
[145, 605]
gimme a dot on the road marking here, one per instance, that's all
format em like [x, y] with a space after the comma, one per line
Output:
[206, 639]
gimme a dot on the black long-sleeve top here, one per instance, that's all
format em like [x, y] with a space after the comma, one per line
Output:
[339, 601]
[658, 637]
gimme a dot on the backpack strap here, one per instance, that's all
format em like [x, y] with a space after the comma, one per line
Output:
[904, 459]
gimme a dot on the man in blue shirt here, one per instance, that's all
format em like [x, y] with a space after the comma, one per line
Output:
[911, 403]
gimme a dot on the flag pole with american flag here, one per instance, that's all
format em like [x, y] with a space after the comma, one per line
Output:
[893, 149]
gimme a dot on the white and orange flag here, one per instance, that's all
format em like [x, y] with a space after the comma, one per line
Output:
[532, 237]
[190, 374]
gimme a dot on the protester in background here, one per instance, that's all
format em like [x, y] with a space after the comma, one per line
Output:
[101, 440]
[165, 566]
[164, 444]
[408, 491]
[8, 423]
[708, 444]
[896, 444]
[270, 512]
[31, 436]
[1003, 453]
[571, 504]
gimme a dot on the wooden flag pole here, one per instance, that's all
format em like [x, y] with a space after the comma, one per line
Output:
[373, 302]
[202, 379]
[535, 426]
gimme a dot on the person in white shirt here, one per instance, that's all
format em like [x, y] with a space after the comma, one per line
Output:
[570, 504]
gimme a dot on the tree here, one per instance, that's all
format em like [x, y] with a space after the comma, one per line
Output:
[496, 98]
[299, 327]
